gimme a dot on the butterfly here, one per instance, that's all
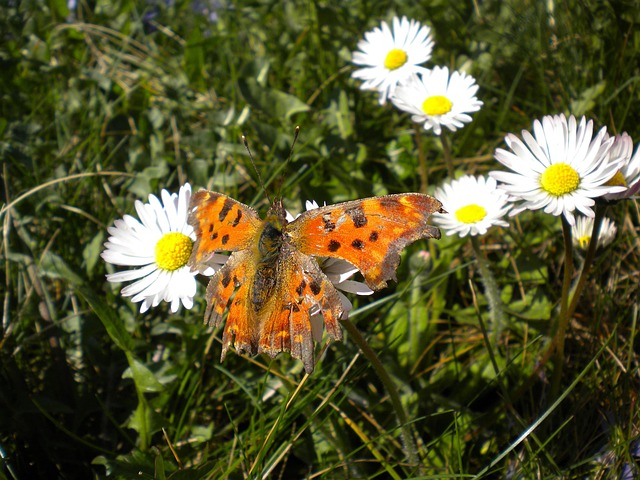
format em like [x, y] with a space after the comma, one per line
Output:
[272, 281]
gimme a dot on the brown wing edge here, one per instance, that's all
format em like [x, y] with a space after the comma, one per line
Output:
[391, 260]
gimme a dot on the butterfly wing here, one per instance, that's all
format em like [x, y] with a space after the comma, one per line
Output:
[223, 224]
[271, 313]
[301, 287]
[229, 290]
[368, 233]
[220, 224]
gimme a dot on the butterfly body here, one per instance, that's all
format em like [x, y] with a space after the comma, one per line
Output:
[271, 283]
[269, 252]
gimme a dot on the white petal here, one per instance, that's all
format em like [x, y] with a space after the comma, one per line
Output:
[351, 286]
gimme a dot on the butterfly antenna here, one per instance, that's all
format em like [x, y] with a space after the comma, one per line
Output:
[296, 132]
[246, 145]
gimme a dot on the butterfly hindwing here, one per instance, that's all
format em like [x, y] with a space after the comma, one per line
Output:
[368, 233]
[301, 288]
[229, 291]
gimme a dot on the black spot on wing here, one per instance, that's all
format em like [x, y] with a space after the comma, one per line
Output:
[329, 226]
[358, 217]
[301, 287]
[357, 244]
[226, 278]
[214, 236]
[334, 245]
[237, 220]
[210, 227]
[315, 287]
[226, 208]
[373, 237]
[224, 239]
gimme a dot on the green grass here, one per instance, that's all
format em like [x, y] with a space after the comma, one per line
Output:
[101, 106]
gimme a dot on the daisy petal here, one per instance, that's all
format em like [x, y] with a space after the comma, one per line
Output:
[160, 243]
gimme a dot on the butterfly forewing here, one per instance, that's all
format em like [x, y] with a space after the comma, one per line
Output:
[220, 224]
[369, 233]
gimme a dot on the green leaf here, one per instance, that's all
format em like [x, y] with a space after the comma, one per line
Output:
[53, 266]
[60, 7]
[142, 185]
[144, 378]
[159, 467]
[194, 57]
[91, 251]
[277, 104]
[112, 323]
[339, 115]
[587, 100]
[136, 464]
[146, 421]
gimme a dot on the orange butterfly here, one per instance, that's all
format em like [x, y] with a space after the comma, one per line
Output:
[271, 280]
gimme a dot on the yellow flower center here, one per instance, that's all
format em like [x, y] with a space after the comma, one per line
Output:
[173, 251]
[617, 180]
[437, 105]
[559, 179]
[584, 241]
[395, 59]
[470, 213]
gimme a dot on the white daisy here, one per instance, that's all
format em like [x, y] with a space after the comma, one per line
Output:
[438, 100]
[160, 243]
[390, 58]
[562, 167]
[474, 204]
[583, 229]
[629, 173]
[338, 272]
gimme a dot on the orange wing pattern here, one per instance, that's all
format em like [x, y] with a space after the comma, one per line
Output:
[271, 284]
[282, 323]
[229, 291]
[223, 224]
[301, 287]
[369, 233]
[220, 224]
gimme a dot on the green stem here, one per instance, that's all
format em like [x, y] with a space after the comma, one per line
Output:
[588, 259]
[411, 450]
[446, 151]
[422, 161]
[491, 291]
[563, 319]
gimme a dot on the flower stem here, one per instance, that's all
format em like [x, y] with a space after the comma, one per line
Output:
[446, 151]
[588, 259]
[560, 329]
[422, 161]
[491, 291]
[411, 450]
